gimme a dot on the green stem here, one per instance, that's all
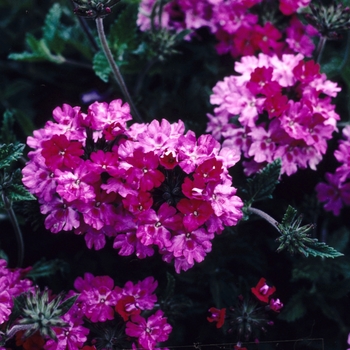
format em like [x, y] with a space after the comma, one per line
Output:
[114, 67]
[320, 48]
[265, 216]
[16, 228]
[87, 30]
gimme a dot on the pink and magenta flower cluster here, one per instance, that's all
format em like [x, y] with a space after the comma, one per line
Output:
[335, 193]
[147, 186]
[236, 25]
[98, 303]
[275, 108]
[12, 284]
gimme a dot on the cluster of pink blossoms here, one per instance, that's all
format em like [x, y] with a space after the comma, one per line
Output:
[119, 312]
[12, 284]
[336, 192]
[236, 24]
[276, 108]
[100, 301]
[147, 186]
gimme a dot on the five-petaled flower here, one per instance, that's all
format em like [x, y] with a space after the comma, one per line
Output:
[218, 316]
[262, 291]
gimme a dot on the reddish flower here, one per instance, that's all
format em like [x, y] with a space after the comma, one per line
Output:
[261, 83]
[196, 212]
[126, 307]
[58, 152]
[217, 315]
[262, 291]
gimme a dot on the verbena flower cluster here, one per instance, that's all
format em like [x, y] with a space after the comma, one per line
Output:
[148, 186]
[275, 108]
[102, 316]
[12, 284]
[336, 191]
[241, 27]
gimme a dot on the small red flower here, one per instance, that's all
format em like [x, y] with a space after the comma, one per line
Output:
[217, 315]
[262, 291]
[126, 307]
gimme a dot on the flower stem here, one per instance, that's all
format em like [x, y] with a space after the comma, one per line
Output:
[114, 67]
[320, 48]
[16, 228]
[265, 216]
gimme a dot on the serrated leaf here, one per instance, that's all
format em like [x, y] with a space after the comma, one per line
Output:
[294, 309]
[52, 21]
[315, 248]
[52, 28]
[10, 153]
[262, 185]
[17, 193]
[45, 268]
[40, 52]
[101, 66]
[6, 132]
[289, 216]
[122, 34]
[66, 305]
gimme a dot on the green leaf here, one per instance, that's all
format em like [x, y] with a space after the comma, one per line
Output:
[262, 185]
[321, 249]
[40, 52]
[17, 193]
[296, 239]
[101, 66]
[294, 309]
[122, 34]
[6, 132]
[10, 153]
[45, 268]
[66, 305]
[52, 22]
[52, 28]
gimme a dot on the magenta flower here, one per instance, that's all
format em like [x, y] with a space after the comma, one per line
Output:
[335, 193]
[72, 337]
[275, 305]
[134, 298]
[98, 295]
[191, 246]
[62, 216]
[149, 332]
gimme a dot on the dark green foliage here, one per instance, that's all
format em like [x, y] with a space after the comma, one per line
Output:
[101, 66]
[295, 308]
[10, 153]
[44, 268]
[262, 185]
[297, 239]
